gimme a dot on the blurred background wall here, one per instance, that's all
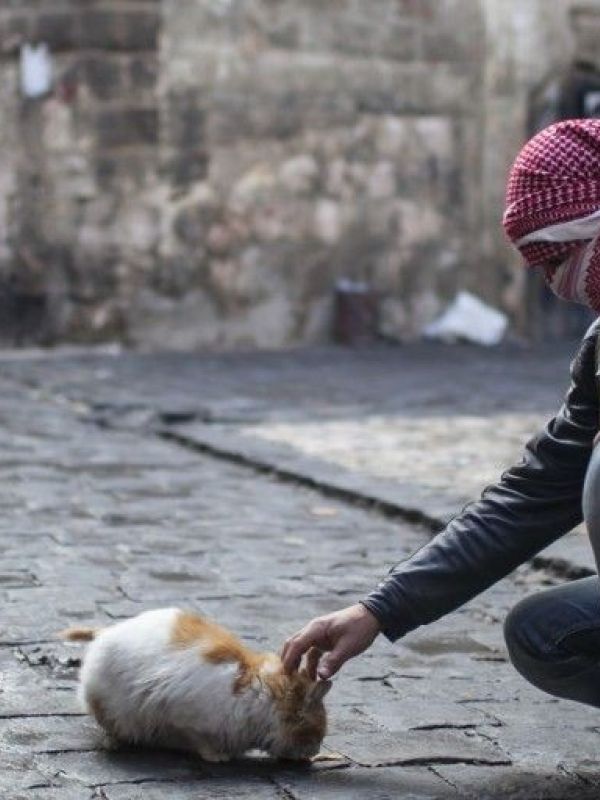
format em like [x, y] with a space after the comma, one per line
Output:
[202, 171]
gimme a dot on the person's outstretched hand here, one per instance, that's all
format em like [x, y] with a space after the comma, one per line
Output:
[330, 641]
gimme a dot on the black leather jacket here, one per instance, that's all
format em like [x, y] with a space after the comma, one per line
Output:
[536, 501]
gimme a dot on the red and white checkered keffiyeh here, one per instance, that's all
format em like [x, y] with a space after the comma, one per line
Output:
[553, 207]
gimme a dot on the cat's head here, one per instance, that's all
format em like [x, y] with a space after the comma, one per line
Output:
[301, 719]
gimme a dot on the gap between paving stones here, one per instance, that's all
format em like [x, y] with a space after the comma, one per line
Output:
[233, 450]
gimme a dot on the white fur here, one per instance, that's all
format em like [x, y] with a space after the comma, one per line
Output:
[151, 692]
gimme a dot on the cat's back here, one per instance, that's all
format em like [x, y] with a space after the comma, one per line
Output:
[164, 670]
[130, 644]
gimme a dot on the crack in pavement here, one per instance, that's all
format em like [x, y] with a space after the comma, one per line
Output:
[560, 568]
[439, 775]
[446, 726]
[426, 761]
[55, 663]
[60, 751]
[42, 715]
[284, 793]
[354, 498]
[572, 773]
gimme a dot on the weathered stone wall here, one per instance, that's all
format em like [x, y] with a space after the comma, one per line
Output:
[333, 149]
[204, 170]
[76, 233]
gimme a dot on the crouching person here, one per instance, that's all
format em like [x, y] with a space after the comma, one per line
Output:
[553, 217]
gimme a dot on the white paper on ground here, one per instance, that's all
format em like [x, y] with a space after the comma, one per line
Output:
[36, 70]
[468, 318]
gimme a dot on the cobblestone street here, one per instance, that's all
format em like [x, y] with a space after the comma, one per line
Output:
[262, 490]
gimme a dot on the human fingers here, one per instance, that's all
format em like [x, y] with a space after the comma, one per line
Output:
[333, 661]
[354, 633]
[295, 647]
[312, 662]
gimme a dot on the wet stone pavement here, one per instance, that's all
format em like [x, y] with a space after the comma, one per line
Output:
[263, 490]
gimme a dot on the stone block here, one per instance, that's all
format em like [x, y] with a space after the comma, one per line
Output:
[102, 75]
[359, 783]
[14, 30]
[444, 45]
[366, 744]
[28, 735]
[278, 25]
[127, 126]
[280, 113]
[57, 30]
[119, 30]
[186, 119]
[328, 221]
[400, 43]
[98, 279]
[300, 174]
[24, 313]
[238, 783]
[455, 33]
[421, 10]
[187, 167]
[18, 774]
[119, 767]
[113, 168]
[187, 324]
[286, 35]
[500, 783]
[191, 224]
[143, 72]
[364, 34]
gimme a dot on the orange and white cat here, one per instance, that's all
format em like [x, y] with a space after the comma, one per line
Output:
[174, 679]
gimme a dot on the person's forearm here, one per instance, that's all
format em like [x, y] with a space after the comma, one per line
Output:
[537, 501]
[476, 549]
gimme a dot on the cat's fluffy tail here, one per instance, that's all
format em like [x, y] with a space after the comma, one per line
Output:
[79, 634]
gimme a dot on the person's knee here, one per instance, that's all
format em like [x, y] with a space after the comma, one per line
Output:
[529, 641]
[553, 640]
[516, 629]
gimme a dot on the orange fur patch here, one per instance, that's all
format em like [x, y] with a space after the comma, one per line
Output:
[305, 723]
[217, 646]
[79, 634]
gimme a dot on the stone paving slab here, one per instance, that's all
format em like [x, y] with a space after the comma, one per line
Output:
[366, 742]
[357, 784]
[488, 783]
[209, 789]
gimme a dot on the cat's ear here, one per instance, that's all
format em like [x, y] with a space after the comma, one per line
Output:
[317, 692]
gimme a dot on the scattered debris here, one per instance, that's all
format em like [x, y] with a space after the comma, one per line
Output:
[469, 319]
[323, 511]
[36, 70]
[355, 312]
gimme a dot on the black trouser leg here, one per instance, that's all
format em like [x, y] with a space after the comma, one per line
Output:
[553, 637]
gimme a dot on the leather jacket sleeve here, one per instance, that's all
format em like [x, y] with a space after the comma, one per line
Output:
[535, 502]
